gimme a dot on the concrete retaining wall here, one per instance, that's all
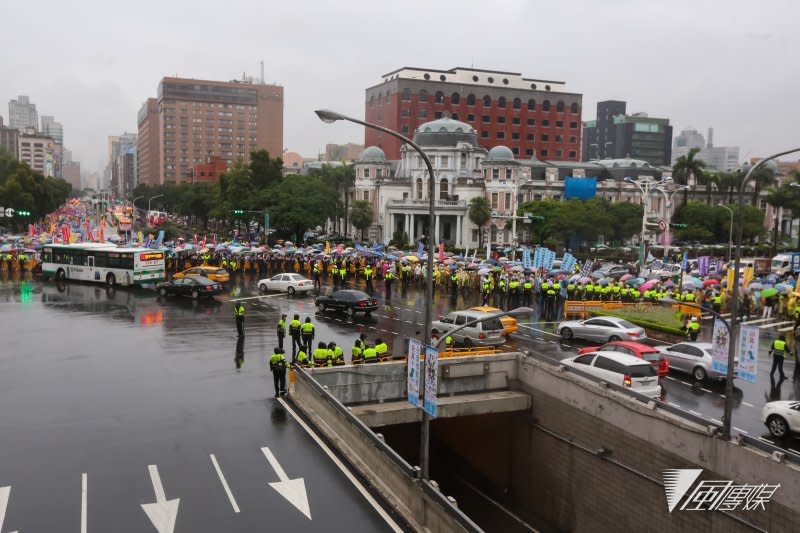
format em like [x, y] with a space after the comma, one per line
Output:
[424, 507]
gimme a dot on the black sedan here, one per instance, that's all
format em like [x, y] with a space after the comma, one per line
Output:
[350, 301]
[195, 286]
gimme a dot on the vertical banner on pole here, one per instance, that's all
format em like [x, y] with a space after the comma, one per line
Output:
[526, 259]
[414, 350]
[748, 353]
[431, 380]
[720, 341]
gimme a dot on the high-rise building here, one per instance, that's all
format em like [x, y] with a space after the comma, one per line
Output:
[532, 117]
[615, 134]
[71, 172]
[38, 152]
[197, 119]
[22, 114]
[121, 171]
[9, 139]
[52, 128]
[725, 158]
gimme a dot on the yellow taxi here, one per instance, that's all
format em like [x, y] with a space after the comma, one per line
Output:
[509, 322]
[217, 274]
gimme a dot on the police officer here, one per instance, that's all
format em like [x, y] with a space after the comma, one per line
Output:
[778, 352]
[693, 329]
[307, 333]
[294, 332]
[278, 364]
[302, 358]
[381, 348]
[370, 355]
[281, 331]
[336, 353]
[317, 276]
[388, 279]
[238, 312]
[368, 273]
[357, 351]
[321, 355]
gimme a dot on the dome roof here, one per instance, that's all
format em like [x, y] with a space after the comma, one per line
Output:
[373, 153]
[500, 153]
[445, 132]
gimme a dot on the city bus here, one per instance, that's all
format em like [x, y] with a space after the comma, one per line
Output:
[103, 263]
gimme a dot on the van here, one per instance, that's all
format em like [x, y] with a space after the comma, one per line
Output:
[620, 369]
[488, 332]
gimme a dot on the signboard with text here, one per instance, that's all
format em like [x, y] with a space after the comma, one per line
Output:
[414, 350]
[720, 341]
[748, 353]
[431, 380]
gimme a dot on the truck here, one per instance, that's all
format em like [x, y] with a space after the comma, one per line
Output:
[786, 263]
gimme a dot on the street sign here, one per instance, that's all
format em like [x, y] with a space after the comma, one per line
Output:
[431, 380]
[414, 351]
[8, 211]
[662, 225]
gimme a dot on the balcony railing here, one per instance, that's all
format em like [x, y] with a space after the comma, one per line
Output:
[423, 204]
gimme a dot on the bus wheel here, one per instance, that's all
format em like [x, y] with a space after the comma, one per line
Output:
[111, 280]
[61, 275]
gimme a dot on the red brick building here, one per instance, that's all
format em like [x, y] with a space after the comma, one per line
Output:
[530, 116]
[210, 171]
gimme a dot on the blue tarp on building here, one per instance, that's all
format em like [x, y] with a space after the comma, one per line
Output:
[580, 188]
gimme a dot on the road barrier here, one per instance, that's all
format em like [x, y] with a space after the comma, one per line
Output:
[583, 308]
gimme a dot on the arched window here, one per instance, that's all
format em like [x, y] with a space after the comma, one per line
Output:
[455, 98]
[380, 98]
[406, 94]
[574, 108]
[439, 98]
[444, 189]
[487, 101]
[501, 102]
[419, 188]
[531, 104]
[517, 103]
[546, 105]
[423, 96]
[471, 99]
[560, 106]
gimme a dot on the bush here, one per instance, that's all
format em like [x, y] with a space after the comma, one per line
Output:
[661, 319]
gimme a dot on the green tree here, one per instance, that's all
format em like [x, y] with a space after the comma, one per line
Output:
[730, 182]
[711, 180]
[22, 188]
[627, 220]
[480, 212]
[361, 215]
[301, 202]
[762, 177]
[340, 179]
[265, 170]
[687, 169]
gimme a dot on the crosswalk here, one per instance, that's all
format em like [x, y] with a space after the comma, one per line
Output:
[781, 326]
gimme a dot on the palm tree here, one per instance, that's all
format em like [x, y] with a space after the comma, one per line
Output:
[762, 178]
[780, 197]
[687, 169]
[710, 180]
[480, 212]
[730, 182]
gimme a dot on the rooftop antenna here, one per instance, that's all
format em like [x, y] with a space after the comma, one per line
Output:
[262, 72]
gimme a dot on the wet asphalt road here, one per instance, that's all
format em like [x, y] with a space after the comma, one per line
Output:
[108, 383]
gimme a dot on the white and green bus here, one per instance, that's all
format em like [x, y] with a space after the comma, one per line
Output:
[103, 263]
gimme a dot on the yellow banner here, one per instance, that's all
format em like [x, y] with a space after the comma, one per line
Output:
[327, 247]
[748, 276]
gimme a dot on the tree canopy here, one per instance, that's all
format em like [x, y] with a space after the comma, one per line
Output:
[22, 188]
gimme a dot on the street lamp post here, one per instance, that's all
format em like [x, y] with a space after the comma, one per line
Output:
[329, 117]
[726, 421]
[514, 242]
[668, 197]
[150, 200]
[646, 186]
[133, 219]
[730, 231]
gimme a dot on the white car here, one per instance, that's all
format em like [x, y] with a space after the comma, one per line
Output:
[620, 369]
[601, 329]
[288, 283]
[694, 358]
[782, 417]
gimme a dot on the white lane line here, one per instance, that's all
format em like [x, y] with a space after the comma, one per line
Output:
[740, 430]
[756, 321]
[705, 389]
[671, 378]
[773, 325]
[695, 413]
[224, 483]
[356, 483]
[673, 404]
[255, 297]
[716, 421]
[5, 493]
[748, 404]
[84, 502]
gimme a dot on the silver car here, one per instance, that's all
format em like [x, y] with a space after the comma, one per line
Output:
[486, 333]
[693, 358]
[601, 329]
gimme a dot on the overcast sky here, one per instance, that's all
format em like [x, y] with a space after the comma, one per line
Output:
[730, 64]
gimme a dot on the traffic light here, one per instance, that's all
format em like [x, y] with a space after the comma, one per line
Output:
[678, 226]
[238, 211]
[23, 213]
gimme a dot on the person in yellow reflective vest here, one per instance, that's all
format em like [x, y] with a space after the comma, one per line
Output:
[357, 352]
[370, 355]
[278, 365]
[778, 352]
[381, 348]
[281, 331]
[693, 329]
[238, 312]
[294, 333]
[335, 274]
[321, 355]
[302, 358]
[336, 354]
[368, 273]
[307, 334]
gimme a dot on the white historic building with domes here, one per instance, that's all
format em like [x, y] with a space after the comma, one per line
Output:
[398, 190]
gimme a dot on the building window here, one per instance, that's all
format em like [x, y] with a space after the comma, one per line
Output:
[559, 123]
[445, 161]
[423, 96]
[404, 128]
[419, 188]
[495, 200]
[366, 196]
[573, 125]
[531, 104]
[501, 102]
[545, 123]
[544, 153]
[515, 151]
[501, 135]
[573, 140]
[455, 98]
[495, 173]
[439, 98]
[574, 108]
[487, 101]
[423, 113]
[484, 134]
[545, 138]
[515, 135]
[572, 154]
[531, 122]
[560, 106]
[444, 192]
[546, 105]
[470, 118]
[454, 116]
[529, 151]
[530, 136]
[380, 115]
[486, 119]
[378, 172]
[501, 120]
[470, 99]
[406, 95]
[366, 172]
[405, 112]
[515, 121]
[437, 114]
[507, 200]
[559, 153]
[517, 103]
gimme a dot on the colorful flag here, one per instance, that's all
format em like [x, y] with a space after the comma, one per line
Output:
[420, 249]
[195, 238]
[31, 231]
[441, 252]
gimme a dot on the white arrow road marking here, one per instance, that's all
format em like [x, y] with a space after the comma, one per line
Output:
[5, 492]
[84, 503]
[224, 484]
[294, 490]
[163, 512]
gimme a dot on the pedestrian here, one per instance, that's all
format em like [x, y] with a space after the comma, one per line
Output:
[278, 364]
[693, 329]
[778, 352]
[388, 278]
[294, 333]
[307, 333]
[281, 331]
[238, 312]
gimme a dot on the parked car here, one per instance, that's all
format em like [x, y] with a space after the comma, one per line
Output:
[782, 417]
[611, 271]
[658, 269]
[348, 300]
[509, 322]
[195, 286]
[213, 273]
[601, 328]
[692, 358]
[620, 369]
[636, 349]
[485, 333]
[288, 283]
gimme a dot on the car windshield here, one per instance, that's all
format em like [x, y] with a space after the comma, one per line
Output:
[492, 323]
[641, 371]
[653, 356]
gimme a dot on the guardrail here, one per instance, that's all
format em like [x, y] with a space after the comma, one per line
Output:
[582, 308]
